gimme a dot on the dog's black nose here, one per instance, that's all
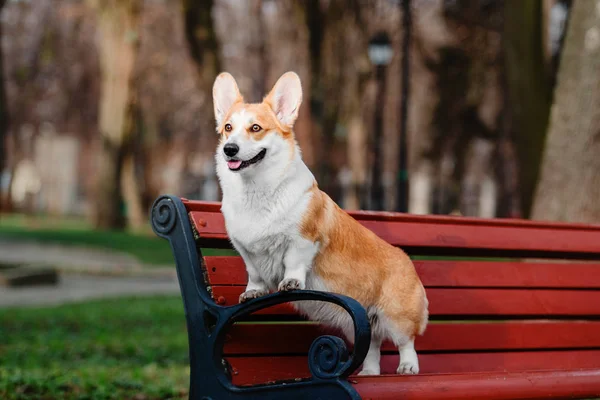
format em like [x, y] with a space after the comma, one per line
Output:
[231, 149]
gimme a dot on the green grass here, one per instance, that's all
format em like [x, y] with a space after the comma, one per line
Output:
[146, 247]
[111, 349]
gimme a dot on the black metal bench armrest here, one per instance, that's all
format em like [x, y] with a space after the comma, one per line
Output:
[207, 322]
[328, 356]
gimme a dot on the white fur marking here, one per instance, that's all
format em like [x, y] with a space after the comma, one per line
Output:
[298, 260]
[371, 365]
[409, 363]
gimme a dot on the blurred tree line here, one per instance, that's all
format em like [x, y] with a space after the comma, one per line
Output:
[130, 81]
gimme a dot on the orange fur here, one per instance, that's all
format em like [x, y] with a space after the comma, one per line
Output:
[356, 262]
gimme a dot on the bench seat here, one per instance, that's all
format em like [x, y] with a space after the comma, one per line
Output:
[514, 309]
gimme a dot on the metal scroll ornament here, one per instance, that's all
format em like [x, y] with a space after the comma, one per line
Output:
[327, 357]
[163, 215]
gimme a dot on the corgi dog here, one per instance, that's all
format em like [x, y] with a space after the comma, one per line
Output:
[292, 235]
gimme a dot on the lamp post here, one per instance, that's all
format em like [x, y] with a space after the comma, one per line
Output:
[380, 54]
[402, 177]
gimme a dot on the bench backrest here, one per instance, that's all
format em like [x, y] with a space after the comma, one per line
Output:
[493, 306]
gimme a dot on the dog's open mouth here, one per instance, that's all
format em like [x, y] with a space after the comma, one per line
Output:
[237, 165]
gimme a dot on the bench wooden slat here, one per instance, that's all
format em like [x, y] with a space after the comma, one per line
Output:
[252, 370]
[231, 271]
[296, 338]
[475, 302]
[489, 386]
[438, 233]
[214, 207]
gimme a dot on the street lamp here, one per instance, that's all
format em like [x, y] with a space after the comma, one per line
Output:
[380, 49]
[380, 54]
[402, 177]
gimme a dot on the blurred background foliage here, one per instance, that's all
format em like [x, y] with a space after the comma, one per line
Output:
[106, 103]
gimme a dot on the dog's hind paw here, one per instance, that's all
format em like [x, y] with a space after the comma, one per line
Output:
[252, 294]
[368, 372]
[290, 284]
[408, 368]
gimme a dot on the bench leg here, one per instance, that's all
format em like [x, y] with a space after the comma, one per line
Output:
[409, 363]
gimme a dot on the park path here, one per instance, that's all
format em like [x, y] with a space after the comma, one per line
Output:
[16, 252]
[76, 288]
[85, 274]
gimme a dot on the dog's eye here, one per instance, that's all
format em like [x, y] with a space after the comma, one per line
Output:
[228, 128]
[256, 128]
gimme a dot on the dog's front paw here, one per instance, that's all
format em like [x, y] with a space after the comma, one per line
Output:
[290, 284]
[252, 294]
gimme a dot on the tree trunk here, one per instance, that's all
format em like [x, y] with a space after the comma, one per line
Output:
[244, 54]
[456, 103]
[424, 102]
[315, 23]
[132, 194]
[287, 48]
[118, 26]
[569, 188]
[108, 199]
[203, 47]
[201, 38]
[529, 90]
[131, 184]
[340, 71]
[3, 120]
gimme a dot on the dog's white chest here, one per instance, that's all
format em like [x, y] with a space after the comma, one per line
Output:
[257, 233]
[265, 227]
[262, 227]
[264, 213]
[263, 240]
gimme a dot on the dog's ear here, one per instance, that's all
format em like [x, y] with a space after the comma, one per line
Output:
[285, 98]
[225, 95]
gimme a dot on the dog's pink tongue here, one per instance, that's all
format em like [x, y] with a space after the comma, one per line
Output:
[234, 164]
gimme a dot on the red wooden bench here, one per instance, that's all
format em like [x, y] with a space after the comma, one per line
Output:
[525, 325]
